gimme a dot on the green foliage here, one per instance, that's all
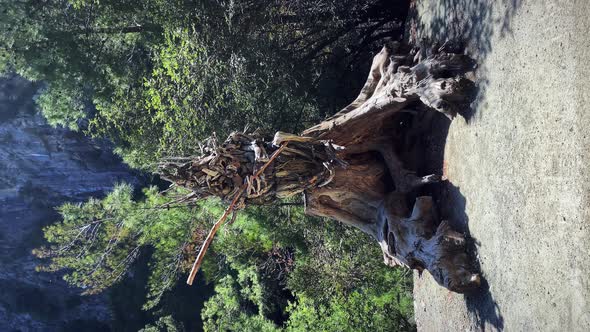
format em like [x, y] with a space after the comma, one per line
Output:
[236, 306]
[83, 51]
[273, 268]
[359, 311]
[194, 90]
[62, 108]
[271, 265]
[157, 76]
[337, 278]
[98, 241]
[164, 324]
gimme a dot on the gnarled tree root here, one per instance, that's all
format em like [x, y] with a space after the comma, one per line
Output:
[414, 240]
[396, 85]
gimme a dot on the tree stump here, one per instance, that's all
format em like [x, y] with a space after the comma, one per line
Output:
[348, 166]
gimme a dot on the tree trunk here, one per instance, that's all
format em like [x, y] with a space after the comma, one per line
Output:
[348, 167]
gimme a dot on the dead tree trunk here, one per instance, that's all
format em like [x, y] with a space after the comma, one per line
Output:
[348, 169]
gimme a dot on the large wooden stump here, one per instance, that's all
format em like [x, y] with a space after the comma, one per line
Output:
[348, 167]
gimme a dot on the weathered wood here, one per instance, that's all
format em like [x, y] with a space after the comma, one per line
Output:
[230, 208]
[437, 82]
[348, 166]
[417, 240]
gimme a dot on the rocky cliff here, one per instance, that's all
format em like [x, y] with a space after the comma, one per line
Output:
[40, 168]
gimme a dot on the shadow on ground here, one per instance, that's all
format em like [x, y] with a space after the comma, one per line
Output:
[451, 204]
[481, 303]
[470, 24]
[460, 25]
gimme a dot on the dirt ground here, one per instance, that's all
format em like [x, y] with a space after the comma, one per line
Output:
[518, 166]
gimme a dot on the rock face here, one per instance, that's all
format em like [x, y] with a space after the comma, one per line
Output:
[40, 168]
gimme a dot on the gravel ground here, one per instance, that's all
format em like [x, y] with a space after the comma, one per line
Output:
[517, 166]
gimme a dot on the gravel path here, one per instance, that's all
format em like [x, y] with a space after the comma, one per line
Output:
[518, 169]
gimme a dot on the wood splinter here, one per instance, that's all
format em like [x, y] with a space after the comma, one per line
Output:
[207, 242]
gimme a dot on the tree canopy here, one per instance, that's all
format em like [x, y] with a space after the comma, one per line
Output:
[157, 76]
